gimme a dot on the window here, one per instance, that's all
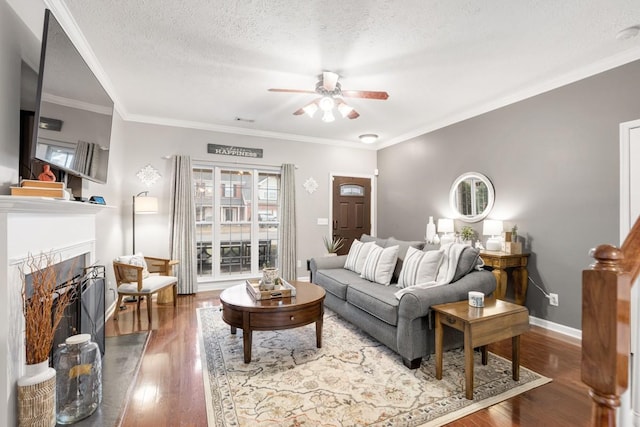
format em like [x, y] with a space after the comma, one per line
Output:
[237, 220]
[351, 190]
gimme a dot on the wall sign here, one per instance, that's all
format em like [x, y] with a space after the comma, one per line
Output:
[228, 150]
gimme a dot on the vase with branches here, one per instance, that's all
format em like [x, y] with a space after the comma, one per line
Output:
[40, 315]
[43, 308]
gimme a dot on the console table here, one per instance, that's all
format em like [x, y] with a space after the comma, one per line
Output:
[500, 261]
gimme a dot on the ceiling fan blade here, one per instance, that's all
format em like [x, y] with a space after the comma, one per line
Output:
[369, 94]
[353, 115]
[329, 80]
[291, 90]
[310, 109]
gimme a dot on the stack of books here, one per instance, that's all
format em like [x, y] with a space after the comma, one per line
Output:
[35, 188]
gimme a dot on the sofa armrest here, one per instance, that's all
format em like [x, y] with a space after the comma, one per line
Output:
[417, 302]
[326, 263]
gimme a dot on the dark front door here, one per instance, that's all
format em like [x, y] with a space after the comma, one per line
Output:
[351, 209]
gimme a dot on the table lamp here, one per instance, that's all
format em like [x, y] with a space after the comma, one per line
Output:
[493, 228]
[445, 225]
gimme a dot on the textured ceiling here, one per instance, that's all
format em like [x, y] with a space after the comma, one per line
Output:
[202, 63]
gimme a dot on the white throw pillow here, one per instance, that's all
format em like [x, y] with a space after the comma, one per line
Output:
[419, 267]
[137, 260]
[358, 255]
[380, 264]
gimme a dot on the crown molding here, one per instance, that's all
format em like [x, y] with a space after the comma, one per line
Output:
[69, 24]
[74, 103]
[606, 64]
[243, 131]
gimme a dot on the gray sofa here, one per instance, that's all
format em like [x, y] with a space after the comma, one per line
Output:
[403, 325]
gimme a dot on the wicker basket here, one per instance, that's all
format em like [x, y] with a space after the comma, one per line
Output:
[37, 398]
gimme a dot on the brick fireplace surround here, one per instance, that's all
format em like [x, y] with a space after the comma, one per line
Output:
[33, 226]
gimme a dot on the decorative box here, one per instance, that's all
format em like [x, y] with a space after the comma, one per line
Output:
[512, 248]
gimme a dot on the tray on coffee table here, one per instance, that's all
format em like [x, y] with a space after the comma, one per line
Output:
[286, 290]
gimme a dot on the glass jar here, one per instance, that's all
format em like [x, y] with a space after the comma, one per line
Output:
[78, 367]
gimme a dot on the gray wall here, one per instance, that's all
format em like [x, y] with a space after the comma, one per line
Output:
[554, 162]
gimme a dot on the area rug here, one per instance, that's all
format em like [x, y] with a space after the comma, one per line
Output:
[120, 366]
[351, 381]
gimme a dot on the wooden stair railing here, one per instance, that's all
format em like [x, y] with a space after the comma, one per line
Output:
[606, 334]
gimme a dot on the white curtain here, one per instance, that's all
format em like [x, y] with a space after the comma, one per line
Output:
[183, 226]
[287, 240]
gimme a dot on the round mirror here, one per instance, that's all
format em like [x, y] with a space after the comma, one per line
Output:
[471, 197]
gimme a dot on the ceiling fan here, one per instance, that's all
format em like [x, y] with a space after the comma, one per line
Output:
[332, 95]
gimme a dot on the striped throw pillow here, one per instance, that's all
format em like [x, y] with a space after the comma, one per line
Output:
[358, 255]
[380, 264]
[419, 267]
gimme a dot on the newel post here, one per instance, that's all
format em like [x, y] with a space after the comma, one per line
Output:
[605, 332]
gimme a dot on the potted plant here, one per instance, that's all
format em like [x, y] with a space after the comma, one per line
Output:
[467, 233]
[514, 233]
[333, 246]
[36, 389]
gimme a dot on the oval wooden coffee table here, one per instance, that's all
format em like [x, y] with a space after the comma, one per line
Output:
[240, 310]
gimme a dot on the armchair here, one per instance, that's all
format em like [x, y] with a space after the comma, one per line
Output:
[143, 276]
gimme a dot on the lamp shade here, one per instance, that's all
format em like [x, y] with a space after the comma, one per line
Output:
[445, 225]
[146, 205]
[492, 227]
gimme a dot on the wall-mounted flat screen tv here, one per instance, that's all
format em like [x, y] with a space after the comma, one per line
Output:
[72, 126]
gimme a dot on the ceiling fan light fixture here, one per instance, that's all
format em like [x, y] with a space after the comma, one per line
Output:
[310, 109]
[368, 138]
[326, 103]
[328, 117]
[344, 109]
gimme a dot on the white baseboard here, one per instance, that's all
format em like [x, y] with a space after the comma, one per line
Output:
[556, 327]
[110, 310]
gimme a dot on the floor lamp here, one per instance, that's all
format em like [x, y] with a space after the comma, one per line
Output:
[142, 204]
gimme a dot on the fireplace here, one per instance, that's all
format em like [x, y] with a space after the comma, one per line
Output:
[31, 225]
[86, 313]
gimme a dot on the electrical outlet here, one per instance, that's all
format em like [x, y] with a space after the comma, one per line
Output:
[553, 299]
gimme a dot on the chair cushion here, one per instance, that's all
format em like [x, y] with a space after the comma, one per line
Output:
[358, 255]
[380, 264]
[419, 267]
[137, 260]
[149, 285]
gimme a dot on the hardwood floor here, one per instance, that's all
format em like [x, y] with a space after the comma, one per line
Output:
[169, 389]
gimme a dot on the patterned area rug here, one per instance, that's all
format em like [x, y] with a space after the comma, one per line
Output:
[351, 381]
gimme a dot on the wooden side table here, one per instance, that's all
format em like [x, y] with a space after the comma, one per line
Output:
[500, 261]
[496, 321]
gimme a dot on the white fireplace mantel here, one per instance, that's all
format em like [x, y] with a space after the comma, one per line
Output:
[47, 205]
[31, 225]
